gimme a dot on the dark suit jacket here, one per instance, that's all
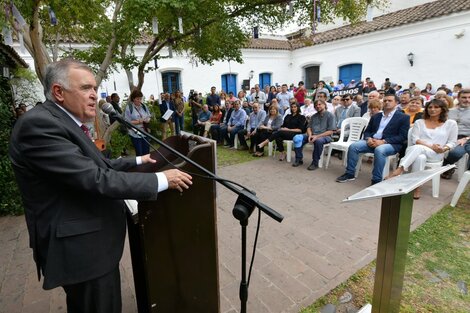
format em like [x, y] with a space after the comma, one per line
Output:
[164, 106]
[72, 196]
[396, 131]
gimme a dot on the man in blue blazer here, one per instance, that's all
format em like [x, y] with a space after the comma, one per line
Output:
[73, 196]
[384, 136]
[166, 105]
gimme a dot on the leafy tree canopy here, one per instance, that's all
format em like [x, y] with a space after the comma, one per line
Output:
[211, 29]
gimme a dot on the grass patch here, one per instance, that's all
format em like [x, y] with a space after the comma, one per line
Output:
[438, 259]
[226, 157]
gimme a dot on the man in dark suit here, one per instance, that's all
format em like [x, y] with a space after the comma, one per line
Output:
[166, 105]
[73, 195]
[384, 136]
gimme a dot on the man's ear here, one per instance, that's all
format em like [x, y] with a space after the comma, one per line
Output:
[57, 92]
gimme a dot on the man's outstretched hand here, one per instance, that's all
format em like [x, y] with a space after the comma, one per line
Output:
[178, 179]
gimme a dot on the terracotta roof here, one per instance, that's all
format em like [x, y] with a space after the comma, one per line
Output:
[272, 44]
[398, 18]
[12, 54]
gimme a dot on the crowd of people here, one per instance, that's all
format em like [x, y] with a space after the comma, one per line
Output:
[277, 113]
[258, 116]
[74, 197]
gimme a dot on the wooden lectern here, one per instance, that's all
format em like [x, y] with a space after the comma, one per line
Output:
[173, 240]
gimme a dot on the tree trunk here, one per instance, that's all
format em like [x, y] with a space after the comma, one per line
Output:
[38, 49]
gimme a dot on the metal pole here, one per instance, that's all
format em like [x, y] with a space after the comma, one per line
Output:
[394, 232]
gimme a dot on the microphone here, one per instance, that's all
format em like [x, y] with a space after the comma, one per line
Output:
[108, 109]
[247, 197]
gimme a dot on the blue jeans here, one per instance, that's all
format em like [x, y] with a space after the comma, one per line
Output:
[140, 145]
[179, 123]
[317, 149]
[380, 157]
[456, 153]
[230, 136]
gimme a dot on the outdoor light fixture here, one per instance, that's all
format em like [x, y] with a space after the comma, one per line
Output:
[411, 58]
[252, 73]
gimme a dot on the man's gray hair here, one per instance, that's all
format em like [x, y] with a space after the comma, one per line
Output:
[374, 92]
[58, 73]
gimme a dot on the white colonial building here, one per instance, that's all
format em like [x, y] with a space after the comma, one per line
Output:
[435, 33]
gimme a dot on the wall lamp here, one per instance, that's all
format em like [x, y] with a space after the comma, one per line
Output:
[411, 58]
[252, 73]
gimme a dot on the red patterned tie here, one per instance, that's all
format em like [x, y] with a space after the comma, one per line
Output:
[86, 130]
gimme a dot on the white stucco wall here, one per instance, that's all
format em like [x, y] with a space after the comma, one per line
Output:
[202, 77]
[439, 58]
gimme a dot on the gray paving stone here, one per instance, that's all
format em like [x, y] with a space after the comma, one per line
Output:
[307, 249]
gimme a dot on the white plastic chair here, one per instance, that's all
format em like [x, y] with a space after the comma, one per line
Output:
[289, 144]
[460, 188]
[390, 161]
[462, 166]
[356, 128]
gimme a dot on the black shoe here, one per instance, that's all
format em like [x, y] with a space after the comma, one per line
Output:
[297, 163]
[448, 174]
[243, 148]
[227, 145]
[312, 167]
[345, 177]
[373, 182]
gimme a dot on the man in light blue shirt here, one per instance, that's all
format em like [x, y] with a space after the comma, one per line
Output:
[235, 124]
[256, 119]
[283, 99]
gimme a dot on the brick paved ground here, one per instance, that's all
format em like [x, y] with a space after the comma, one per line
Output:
[320, 243]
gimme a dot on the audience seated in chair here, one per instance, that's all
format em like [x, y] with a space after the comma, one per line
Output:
[215, 119]
[430, 138]
[256, 120]
[384, 136]
[271, 123]
[234, 125]
[202, 119]
[215, 130]
[319, 133]
[461, 114]
[293, 124]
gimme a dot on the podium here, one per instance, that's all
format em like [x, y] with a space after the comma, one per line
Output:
[395, 220]
[173, 240]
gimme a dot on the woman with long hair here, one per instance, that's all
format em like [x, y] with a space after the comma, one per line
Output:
[271, 95]
[294, 124]
[215, 119]
[178, 102]
[430, 138]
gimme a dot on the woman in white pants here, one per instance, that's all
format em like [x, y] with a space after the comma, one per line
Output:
[431, 137]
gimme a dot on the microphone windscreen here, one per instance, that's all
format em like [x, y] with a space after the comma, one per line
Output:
[108, 108]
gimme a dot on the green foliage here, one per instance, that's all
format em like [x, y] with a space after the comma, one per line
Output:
[118, 143]
[440, 245]
[10, 201]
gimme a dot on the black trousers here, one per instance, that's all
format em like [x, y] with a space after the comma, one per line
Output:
[99, 295]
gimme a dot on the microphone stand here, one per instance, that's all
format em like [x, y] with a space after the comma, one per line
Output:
[244, 206]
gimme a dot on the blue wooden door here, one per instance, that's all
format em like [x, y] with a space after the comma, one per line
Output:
[229, 83]
[171, 81]
[350, 72]
[264, 79]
